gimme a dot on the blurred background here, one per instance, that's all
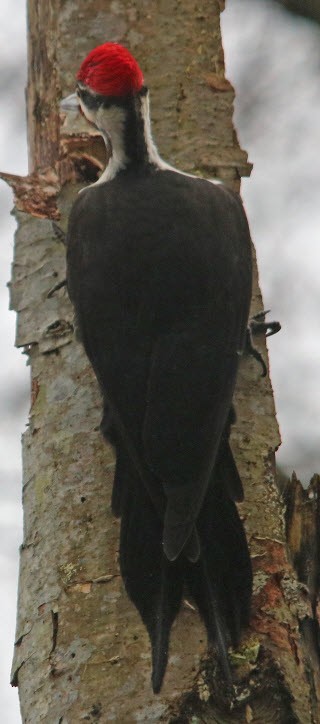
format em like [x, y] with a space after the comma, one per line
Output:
[273, 60]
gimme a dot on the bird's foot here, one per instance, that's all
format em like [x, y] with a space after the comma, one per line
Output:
[258, 325]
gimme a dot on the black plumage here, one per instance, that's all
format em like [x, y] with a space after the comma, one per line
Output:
[159, 272]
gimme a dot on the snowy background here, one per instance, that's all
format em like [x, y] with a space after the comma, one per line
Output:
[273, 60]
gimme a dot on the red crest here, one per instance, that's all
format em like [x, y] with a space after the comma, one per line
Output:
[111, 70]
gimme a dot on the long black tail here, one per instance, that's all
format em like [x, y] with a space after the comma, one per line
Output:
[219, 582]
[153, 583]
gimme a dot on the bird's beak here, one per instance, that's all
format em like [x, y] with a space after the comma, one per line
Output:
[70, 103]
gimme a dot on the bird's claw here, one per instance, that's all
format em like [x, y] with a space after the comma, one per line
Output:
[258, 325]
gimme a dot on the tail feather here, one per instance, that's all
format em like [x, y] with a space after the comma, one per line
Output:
[154, 584]
[221, 582]
[159, 627]
[202, 590]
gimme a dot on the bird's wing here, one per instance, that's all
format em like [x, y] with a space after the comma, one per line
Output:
[189, 395]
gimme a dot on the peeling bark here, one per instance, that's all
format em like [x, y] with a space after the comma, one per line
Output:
[81, 652]
[36, 194]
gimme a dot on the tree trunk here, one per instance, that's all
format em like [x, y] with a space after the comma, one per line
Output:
[81, 652]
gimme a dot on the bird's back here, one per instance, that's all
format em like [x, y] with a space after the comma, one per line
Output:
[167, 246]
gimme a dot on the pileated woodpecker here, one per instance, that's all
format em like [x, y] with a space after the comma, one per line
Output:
[159, 273]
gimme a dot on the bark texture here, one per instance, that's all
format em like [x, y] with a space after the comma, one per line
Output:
[81, 652]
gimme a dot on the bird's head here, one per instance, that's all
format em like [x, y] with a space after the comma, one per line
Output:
[107, 76]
